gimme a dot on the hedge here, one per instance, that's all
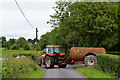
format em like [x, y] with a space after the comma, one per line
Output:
[26, 47]
[16, 68]
[114, 53]
[15, 47]
[109, 63]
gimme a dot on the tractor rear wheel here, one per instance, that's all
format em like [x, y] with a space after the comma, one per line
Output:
[90, 60]
[62, 66]
[49, 62]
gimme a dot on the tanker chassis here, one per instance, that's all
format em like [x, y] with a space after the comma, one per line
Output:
[86, 55]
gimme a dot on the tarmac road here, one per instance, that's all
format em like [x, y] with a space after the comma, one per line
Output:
[68, 72]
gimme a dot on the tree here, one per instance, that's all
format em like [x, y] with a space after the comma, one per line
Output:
[30, 40]
[9, 43]
[21, 41]
[15, 47]
[118, 48]
[3, 40]
[85, 24]
[44, 41]
[26, 47]
[12, 41]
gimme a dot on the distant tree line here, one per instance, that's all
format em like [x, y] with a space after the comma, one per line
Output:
[16, 44]
[84, 24]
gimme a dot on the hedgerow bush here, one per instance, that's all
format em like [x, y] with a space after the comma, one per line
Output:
[114, 53]
[16, 68]
[109, 63]
[15, 47]
[119, 66]
[31, 55]
[26, 47]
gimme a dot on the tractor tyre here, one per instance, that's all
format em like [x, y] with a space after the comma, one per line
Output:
[49, 62]
[39, 61]
[90, 60]
[62, 66]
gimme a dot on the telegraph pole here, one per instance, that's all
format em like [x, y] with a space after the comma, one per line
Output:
[36, 40]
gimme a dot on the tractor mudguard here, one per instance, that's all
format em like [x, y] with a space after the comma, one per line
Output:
[51, 54]
[43, 56]
[62, 63]
[62, 54]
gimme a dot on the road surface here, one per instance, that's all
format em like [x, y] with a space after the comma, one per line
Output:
[68, 72]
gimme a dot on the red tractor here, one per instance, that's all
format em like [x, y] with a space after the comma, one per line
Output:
[53, 57]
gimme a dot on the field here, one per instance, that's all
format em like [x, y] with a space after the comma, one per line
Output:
[11, 53]
[23, 67]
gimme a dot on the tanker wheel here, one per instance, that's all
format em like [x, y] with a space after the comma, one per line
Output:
[90, 60]
[49, 62]
[62, 66]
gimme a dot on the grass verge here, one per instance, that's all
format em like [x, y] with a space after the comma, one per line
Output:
[34, 74]
[23, 67]
[90, 72]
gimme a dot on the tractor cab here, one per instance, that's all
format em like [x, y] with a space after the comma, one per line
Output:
[53, 49]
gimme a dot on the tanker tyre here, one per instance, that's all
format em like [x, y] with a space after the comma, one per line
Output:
[49, 62]
[90, 60]
[62, 66]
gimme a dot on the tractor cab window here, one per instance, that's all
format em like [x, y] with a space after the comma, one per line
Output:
[57, 50]
[46, 50]
[53, 50]
[50, 50]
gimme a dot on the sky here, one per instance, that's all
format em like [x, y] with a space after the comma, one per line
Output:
[14, 25]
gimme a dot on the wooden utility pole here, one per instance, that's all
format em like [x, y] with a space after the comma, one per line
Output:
[36, 40]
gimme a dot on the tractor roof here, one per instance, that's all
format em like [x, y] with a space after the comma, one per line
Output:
[53, 46]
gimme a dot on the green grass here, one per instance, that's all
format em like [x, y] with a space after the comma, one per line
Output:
[10, 53]
[90, 72]
[32, 73]
[0, 69]
[35, 74]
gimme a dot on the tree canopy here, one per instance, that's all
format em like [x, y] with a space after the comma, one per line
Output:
[86, 24]
[21, 41]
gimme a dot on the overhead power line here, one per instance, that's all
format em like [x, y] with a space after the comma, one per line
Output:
[23, 14]
[30, 25]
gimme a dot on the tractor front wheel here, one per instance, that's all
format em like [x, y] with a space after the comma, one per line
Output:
[49, 62]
